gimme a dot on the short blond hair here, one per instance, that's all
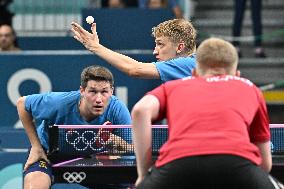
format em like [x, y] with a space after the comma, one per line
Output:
[177, 30]
[215, 54]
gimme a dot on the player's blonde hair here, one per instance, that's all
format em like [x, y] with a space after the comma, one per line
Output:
[97, 73]
[215, 55]
[177, 30]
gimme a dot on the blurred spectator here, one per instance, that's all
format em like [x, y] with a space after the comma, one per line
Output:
[95, 4]
[119, 3]
[8, 40]
[5, 14]
[189, 7]
[256, 6]
[116, 4]
[154, 4]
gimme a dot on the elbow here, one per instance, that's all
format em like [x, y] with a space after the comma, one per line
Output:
[20, 102]
[264, 148]
[266, 163]
[145, 111]
[267, 166]
[139, 112]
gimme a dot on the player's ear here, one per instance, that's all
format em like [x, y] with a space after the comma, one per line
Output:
[180, 47]
[82, 91]
[238, 73]
[194, 73]
[112, 89]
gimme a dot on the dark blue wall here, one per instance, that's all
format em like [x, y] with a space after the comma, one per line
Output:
[63, 71]
[117, 29]
[126, 28]
[49, 43]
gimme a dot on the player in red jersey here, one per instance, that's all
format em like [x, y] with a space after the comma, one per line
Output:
[218, 128]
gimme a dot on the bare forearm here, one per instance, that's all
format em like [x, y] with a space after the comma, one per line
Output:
[143, 148]
[120, 61]
[28, 124]
[144, 111]
[32, 134]
[265, 152]
[142, 140]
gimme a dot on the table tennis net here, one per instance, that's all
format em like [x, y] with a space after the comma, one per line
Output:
[105, 140]
[277, 139]
[117, 140]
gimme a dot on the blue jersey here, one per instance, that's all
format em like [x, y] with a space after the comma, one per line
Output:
[176, 68]
[62, 108]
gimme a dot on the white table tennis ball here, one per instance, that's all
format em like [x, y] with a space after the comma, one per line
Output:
[90, 19]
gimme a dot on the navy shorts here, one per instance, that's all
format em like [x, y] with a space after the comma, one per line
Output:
[41, 166]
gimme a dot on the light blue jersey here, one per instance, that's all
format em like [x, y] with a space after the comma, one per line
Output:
[61, 108]
[175, 68]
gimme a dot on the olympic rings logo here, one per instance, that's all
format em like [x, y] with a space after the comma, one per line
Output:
[74, 177]
[96, 141]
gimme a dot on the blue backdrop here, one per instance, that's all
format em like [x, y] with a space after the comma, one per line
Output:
[117, 29]
[33, 72]
[126, 28]
[25, 74]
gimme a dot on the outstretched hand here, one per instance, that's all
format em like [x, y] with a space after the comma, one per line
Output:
[119, 145]
[89, 40]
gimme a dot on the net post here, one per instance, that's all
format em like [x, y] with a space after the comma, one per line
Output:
[53, 135]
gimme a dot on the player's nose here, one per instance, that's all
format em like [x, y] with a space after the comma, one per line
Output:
[98, 99]
[155, 51]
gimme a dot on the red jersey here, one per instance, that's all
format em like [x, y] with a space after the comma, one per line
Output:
[214, 115]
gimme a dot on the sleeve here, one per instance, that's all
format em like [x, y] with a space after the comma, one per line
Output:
[41, 106]
[121, 116]
[175, 68]
[160, 93]
[259, 129]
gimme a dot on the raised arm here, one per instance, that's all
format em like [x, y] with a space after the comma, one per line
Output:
[122, 62]
[37, 151]
[145, 110]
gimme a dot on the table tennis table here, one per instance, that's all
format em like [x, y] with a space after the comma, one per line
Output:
[99, 170]
[114, 169]
[102, 170]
